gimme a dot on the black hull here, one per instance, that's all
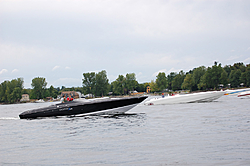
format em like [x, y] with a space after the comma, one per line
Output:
[78, 107]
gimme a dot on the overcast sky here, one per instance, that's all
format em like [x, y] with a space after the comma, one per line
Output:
[62, 39]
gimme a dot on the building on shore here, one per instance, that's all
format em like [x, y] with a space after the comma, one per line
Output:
[73, 94]
[148, 89]
[25, 97]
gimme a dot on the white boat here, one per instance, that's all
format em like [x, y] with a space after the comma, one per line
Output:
[187, 98]
[244, 94]
[237, 91]
[39, 101]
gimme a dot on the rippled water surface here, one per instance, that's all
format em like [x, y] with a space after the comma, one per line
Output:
[214, 133]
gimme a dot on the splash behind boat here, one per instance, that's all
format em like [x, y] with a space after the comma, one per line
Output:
[85, 107]
[187, 98]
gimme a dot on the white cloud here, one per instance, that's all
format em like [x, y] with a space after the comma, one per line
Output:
[56, 67]
[120, 36]
[139, 74]
[68, 82]
[234, 57]
[146, 18]
[14, 71]
[247, 61]
[26, 54]
[3, 71]
[160, 71]
[172, 70]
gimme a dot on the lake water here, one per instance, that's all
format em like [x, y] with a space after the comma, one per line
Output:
[214, 133]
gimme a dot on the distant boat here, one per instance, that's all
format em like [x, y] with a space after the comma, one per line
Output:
[39, 101]
[187, 98]
[244, 94]
[85, 107]
[237, 91]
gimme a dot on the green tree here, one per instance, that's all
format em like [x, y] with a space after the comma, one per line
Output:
[234, 78]
[140, 88]
[16, 95]
[153, 86]
[8, 94]
[130, 82]
[52, 92]
[188, 82]
[227, 68]
[11, 91]
[3, 95]
[102, 84]
[178, 80]
[89, 82]
[161, 81]
[197, 74]
[224, 78]
[119, 85]
[240, 66]
[248, 75]
[206, 80]
[216, 75]
[39, 86]
[245, 76]
[170, 79]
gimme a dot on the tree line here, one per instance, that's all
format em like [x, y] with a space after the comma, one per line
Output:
[97, 84]
[200, 78]
[203, 78]
[11, 91]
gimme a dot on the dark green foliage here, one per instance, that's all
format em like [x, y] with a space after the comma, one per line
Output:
[102, 83]
[248, 75]
[178, 80]
[122, 85]
[161, 81]
[95, 83]
[119, 85]
[130, 83]
[227, 69]
[170, 79]
[39, 88]
[197, 75]
[224, 78]
[216, 75]
[11, 91]
[234, 78]
[89, 82]
[188, 82]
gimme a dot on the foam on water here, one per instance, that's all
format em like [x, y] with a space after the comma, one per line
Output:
[9, 118]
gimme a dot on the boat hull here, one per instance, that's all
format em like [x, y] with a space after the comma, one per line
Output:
[187, 98]
[87, 107]
[244, 94]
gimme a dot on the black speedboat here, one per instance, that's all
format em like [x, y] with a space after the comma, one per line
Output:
[85, 107]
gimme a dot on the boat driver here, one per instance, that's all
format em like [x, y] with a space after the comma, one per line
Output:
[63, 99]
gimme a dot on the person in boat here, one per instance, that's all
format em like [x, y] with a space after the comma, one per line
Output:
[68, 98]
[63, 100]
[162, 95]
[71, 98]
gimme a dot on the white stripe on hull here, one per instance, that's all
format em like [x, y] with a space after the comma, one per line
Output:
[113, 111]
